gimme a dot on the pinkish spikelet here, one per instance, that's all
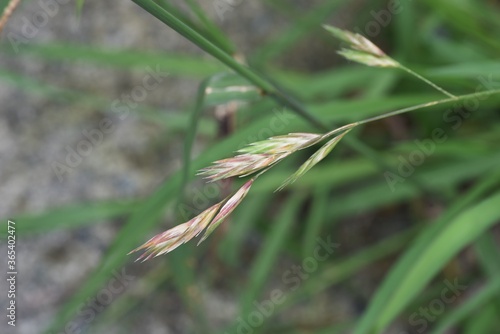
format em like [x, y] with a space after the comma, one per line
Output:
[282, 144]
[227, 209]
[169, 240]
[313, 160]
[257, 156]
[361, 49]
[243, 164]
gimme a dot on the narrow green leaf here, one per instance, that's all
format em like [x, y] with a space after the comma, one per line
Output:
[316, 217]
[299, 27]
[474, 304]
[234, 242]
[488, 255]
[173, 63]
[437, 245]
[211, 28]
[485, 321]
[202, 42]
[70, 217]
[269, 252]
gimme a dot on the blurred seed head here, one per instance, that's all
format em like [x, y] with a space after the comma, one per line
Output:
[361, 49]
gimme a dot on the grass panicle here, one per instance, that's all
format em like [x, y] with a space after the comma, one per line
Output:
[259, 157]
[363, 51]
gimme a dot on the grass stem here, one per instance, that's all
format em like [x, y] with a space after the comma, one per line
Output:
[427, 81]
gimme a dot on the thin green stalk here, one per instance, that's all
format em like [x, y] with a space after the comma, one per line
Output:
[429, 104]
[427, 81]
[195, 37]
[486, 294]
[211, 28]
[190, 135]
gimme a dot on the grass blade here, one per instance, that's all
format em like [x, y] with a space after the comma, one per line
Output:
[435, 246]
[475, 303]
[72, 216]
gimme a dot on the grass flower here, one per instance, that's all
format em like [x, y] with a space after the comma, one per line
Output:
[259, 155]
[282, 144]
[256, 157]
[169, 240]
[361, 49]
[240, 165]
[313, 160]
[227, 209]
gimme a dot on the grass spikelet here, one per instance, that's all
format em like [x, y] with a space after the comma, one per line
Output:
[227, 209]
[240, 165]
[361, 49]
[313, 160]
[169, 240]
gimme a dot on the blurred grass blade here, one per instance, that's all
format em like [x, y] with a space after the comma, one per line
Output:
[191, 134]
[211, 29]
[234, 242]
[435, 246]
[488, 255]
[475, 303]
[485, 321]
[71, 216]
[174, 64]
[228, 87]
[264, 263]
[317, 216]
[170, 120]
[202, 42]
[245, 71]
[339, 270]
[299, 28]
[79, 7]
[185, 280]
